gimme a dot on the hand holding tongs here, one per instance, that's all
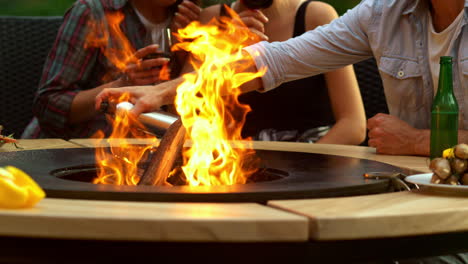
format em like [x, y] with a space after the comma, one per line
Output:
[156, 122]
[397, 180]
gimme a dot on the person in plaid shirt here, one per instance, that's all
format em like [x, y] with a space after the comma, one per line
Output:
[75, 73]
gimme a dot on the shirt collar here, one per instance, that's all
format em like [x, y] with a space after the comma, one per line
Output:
[412, 6]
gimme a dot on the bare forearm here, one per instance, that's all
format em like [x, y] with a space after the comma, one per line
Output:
[421, 145]
[422, 141]
[346, 132]
[150, 98]
[255, 84]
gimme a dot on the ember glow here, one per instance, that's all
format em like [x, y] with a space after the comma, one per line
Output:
[208, 106]
[208, 102]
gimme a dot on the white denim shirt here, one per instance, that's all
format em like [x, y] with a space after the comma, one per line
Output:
[392, 31]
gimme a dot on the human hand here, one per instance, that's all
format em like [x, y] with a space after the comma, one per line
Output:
[255, 20]
[144, 71]
[187, 11]
[144, 98]
[391, 135]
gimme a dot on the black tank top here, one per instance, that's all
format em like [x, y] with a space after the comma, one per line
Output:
[297, 105]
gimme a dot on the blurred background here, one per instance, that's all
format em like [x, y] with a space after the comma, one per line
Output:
[58, 7]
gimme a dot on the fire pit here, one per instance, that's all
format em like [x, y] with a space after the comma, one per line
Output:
[68, 173]
[210, 116]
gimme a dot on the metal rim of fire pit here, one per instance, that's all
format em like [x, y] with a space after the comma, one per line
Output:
[310, 176]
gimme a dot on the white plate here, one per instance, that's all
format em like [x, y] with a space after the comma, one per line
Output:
[425, 180]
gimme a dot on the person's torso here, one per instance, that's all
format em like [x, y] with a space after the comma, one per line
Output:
[101, 68]
[297, 105]
[397, 35]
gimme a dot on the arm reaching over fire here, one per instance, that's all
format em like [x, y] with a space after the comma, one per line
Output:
[221, 69]
[145, 98]
[367, 31]
[141, 72]
[151, 98]
[332, 112]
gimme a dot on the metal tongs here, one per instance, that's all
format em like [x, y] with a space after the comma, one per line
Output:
[156, 122]
[397, 180]
[161, 162]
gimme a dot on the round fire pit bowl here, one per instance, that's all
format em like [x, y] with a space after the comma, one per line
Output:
[302, 175]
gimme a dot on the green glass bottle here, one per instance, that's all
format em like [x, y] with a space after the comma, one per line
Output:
[444, 113]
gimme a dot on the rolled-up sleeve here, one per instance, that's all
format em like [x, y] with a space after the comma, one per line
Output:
[67, 67]
[342, 42]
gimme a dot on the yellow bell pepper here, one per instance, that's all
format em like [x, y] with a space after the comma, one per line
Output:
[448, 153]
[18, 189]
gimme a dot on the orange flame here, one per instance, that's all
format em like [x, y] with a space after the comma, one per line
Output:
[165, 73]
[208, 105]
[119, 165]
[107, 35]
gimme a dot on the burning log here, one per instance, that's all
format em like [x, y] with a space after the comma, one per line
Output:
[162, 161]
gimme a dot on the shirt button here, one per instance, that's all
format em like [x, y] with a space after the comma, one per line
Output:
[401, 73]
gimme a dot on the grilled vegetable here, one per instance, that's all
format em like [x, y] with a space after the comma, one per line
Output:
[458, 165]
[464, 179]
[436, 179]
[441, 167]
[452, 179]
[461, 151]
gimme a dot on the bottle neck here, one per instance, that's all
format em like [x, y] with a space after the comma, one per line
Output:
[445, 78]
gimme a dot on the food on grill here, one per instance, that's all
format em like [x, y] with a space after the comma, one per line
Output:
[441, 167]
[461, 151]
[453, 180]
[436, 179]
[458, 165]
[452, 168]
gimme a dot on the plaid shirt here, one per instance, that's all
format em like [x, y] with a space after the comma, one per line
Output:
[70, 68]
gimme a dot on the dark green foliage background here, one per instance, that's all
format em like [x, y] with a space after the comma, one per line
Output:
[58, 7]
